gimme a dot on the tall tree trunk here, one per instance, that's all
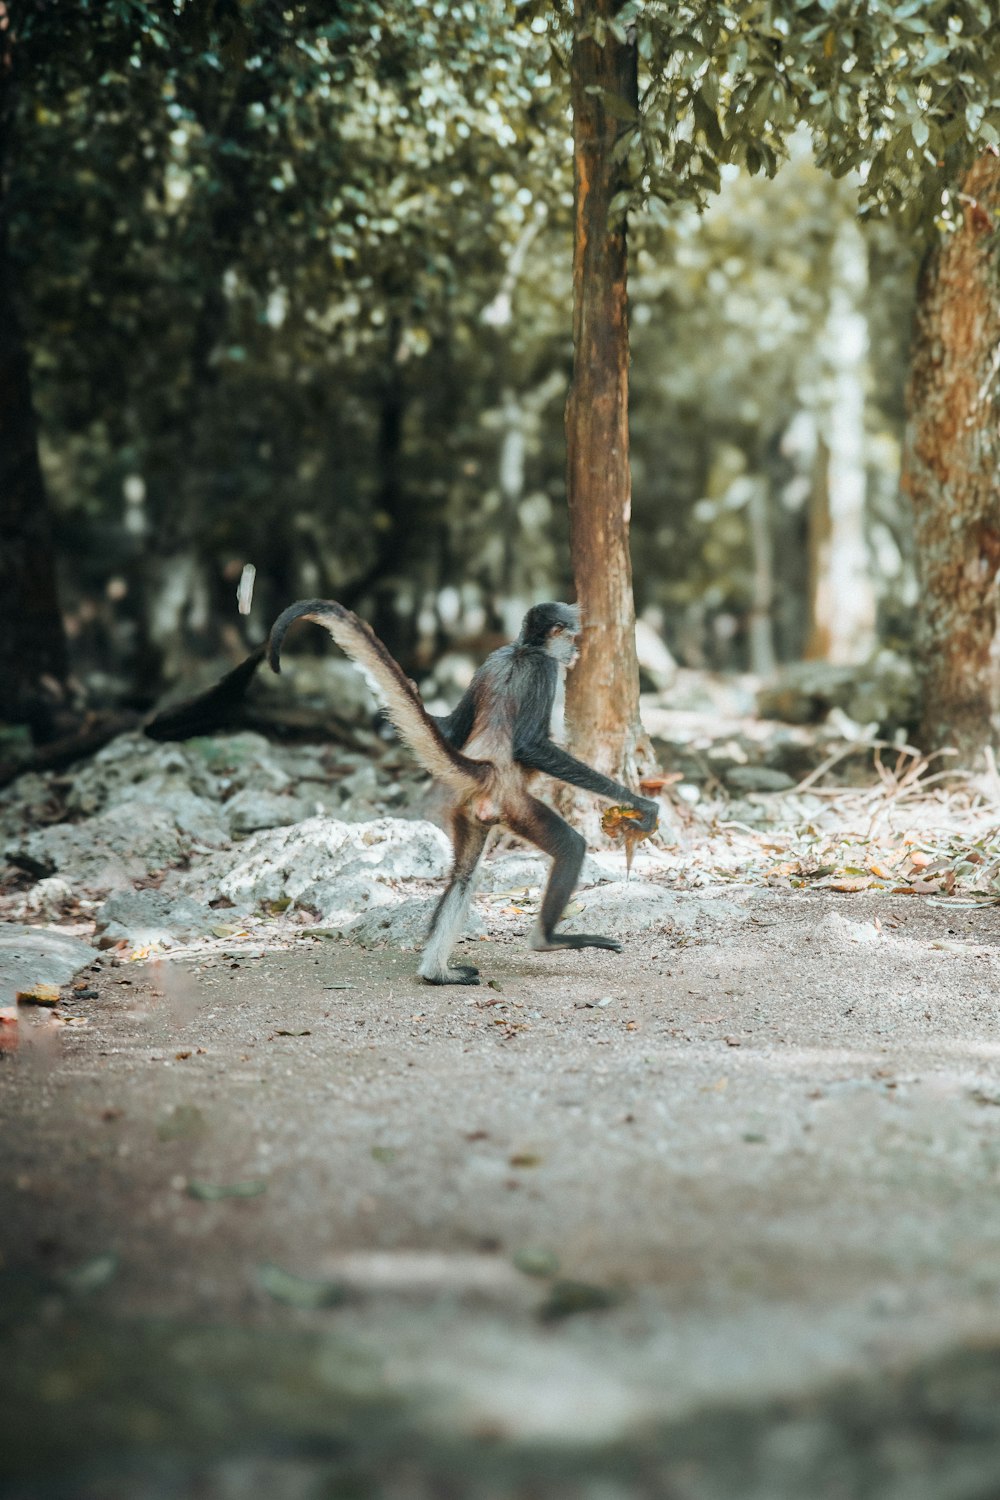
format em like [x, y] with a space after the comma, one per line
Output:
[763, 658]
[951, 472]
[820, 603]
[602, 706]
[846, 563]
[32, 639]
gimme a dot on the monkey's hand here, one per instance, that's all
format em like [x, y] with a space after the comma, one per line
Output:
[649, 814]
[631, 825]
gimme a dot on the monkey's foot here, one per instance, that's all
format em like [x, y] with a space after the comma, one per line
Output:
[454, 974]
[574, 940]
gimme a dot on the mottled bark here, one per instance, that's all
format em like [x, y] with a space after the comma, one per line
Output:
[950, 472]
[850, 617]
[819, 603]
[602, 706]
[760, 631]
[32, 639]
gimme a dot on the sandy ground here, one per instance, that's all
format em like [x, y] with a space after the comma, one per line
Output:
[716, 1217]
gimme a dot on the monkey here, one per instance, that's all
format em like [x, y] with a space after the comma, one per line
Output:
[486, 752]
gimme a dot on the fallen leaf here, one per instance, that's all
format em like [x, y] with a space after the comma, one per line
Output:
[655, 784]
[525, 1159]
[39, 994]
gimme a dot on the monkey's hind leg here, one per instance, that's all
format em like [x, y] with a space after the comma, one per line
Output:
[469, 838]
[567, 847]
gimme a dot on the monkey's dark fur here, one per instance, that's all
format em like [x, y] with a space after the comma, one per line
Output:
[486, 752]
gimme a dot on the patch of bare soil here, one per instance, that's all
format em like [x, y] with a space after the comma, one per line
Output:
[715, 1217]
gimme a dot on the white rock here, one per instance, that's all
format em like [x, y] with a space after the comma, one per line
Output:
[624, 909]
[250, 810]
[38, 955]
[406, 926]
[151, 917]
[324, 864]
[107, 852]
[842, 930]
[510, 872]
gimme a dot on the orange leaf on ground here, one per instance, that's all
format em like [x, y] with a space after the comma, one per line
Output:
[39, 994]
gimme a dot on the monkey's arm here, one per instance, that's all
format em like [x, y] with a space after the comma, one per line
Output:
[543, 755]
[457, 726]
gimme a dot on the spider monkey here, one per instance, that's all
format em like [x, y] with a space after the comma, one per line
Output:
[486, 753]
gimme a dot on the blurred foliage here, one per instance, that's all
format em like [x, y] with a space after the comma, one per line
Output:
[296, 284]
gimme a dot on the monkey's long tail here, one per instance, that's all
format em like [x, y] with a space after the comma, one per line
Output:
[402, 702]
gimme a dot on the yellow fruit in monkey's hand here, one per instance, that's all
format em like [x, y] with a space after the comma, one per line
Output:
[619, 823]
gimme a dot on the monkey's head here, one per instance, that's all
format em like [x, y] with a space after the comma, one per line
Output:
[554, 628]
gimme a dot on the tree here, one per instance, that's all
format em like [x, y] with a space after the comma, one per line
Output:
[952, 464]
[256, 244]
[603, 696]
[32, 639]
[906, 92]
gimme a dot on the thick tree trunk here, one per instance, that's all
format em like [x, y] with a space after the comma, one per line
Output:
[32, 639]
[602, 706]
[951, 473]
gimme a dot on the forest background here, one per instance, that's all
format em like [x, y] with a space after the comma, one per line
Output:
[292, 286]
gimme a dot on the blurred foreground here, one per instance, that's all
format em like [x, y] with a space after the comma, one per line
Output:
[714, 1217]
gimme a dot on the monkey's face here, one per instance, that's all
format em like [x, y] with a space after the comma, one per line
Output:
[562, 643]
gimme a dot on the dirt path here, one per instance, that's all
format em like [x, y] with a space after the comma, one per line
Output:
[773, 1151]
